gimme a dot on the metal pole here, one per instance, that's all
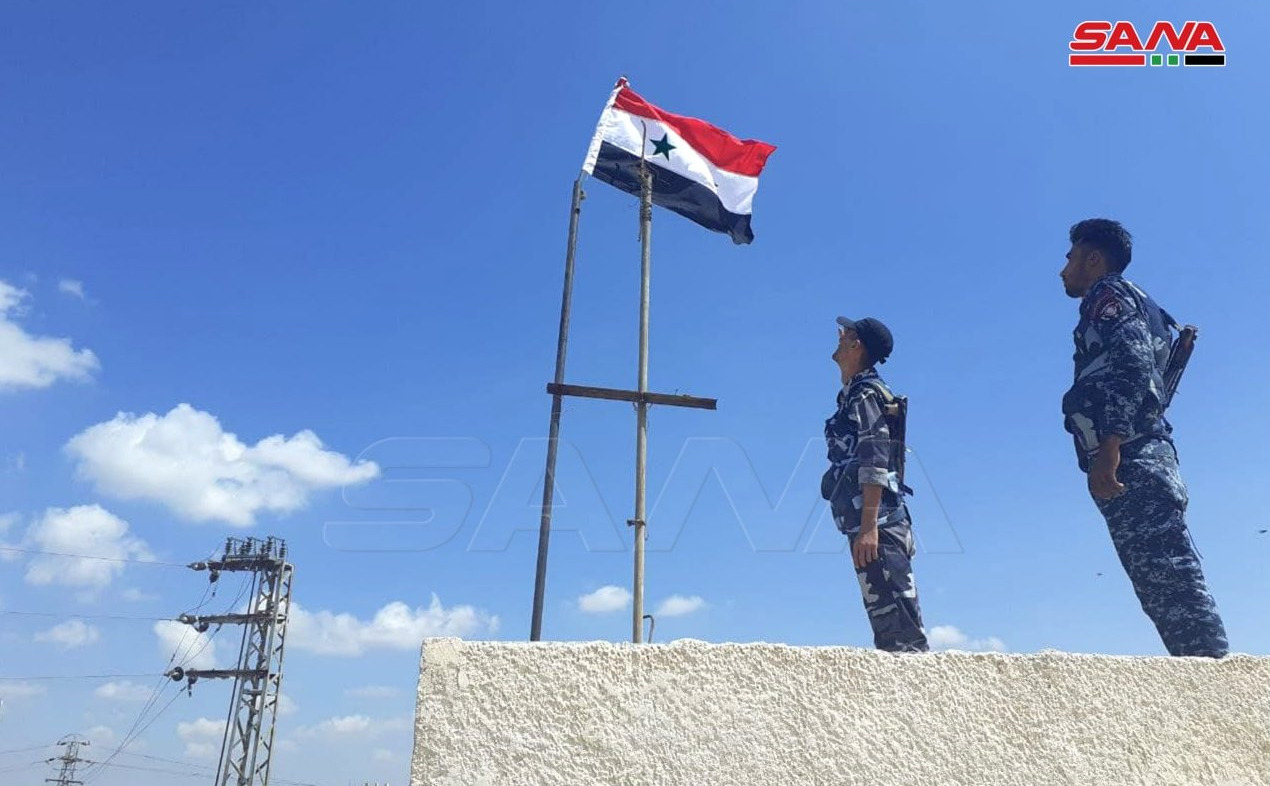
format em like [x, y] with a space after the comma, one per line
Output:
[549, 481]
[641, 432]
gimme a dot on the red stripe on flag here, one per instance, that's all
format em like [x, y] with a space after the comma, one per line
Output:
[1095, 60]
[742, 156]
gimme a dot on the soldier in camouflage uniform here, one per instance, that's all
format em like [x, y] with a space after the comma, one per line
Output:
[1123, 443]
[864, 491]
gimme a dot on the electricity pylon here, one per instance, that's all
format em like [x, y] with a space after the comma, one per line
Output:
[247, 747]
[70, 761]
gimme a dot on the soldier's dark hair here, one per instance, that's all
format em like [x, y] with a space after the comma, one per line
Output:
[1113, 240]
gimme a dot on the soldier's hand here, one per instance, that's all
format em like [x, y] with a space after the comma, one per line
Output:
[865, 548]
[1102, 475]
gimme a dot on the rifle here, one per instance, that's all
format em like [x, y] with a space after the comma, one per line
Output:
[1179, 356]
[896, 410]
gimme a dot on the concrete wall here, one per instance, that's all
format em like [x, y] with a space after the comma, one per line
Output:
[695, 713]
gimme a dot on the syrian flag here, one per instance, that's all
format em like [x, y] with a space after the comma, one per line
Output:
[699, 171]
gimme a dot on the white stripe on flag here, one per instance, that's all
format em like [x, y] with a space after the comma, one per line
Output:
[593, 152]
[626, 131]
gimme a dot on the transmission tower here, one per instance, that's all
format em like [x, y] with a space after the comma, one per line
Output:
[70, 760]
[247, 747]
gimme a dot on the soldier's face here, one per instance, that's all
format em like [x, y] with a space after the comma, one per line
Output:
[1078, 275]
[848, 345]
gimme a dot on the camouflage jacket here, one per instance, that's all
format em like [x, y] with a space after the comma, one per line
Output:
[1122, 347]
[861, 452]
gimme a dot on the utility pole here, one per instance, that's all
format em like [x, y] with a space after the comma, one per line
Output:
[247, 747]
[70, 760]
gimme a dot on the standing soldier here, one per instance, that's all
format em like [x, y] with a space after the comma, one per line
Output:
[1115, 412]
[865, 488]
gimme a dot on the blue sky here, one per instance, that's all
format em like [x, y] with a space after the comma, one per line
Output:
[350, 221]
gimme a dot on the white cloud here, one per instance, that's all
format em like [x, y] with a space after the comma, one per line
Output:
[193, 650]
[18, 689]
[350, 724]
[372, 692]
[122, 691]
[28, 361]
[947, 637]
[15, 462]
[202, 737]
[286, 706]
[70, 634]
[354, 725]
[69, 286]
[200, 728]
[382, 755]
[678, 606]
[101, 736]
[395, 626]
[186, 461]
[134, 595]
[605, 600]
[89, 530]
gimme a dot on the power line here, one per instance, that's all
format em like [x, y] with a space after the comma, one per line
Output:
[77, 677]
[133, 731]
[233, 604]
[285, 782]
[281, 781]
[209, 592]
[136, 729]
[20, 767]
[24, 750]
[162, 684]
[160, 688]
[168, 761]
[153, 769]
[38, 552]
[92, 771]
[72, 615]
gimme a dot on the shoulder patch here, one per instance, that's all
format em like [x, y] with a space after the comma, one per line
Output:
[1109, 306]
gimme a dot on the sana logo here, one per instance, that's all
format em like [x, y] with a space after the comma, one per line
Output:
[1104, 43]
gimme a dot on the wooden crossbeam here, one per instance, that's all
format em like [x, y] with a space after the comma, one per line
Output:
[614, 394]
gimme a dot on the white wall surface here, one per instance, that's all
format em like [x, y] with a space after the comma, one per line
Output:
[501, 713]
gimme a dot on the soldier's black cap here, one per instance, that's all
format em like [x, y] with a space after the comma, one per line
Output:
[875, 336]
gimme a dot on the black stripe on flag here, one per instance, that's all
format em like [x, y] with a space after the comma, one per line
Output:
[672, 191]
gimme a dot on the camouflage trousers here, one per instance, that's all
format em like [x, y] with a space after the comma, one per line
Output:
[1148, 527]
[890, 595]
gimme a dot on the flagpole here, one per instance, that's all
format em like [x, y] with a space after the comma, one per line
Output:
[641, 428]
[616, 173]
[549, 479]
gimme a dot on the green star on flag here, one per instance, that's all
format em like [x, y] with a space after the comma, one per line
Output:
[663, 146]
